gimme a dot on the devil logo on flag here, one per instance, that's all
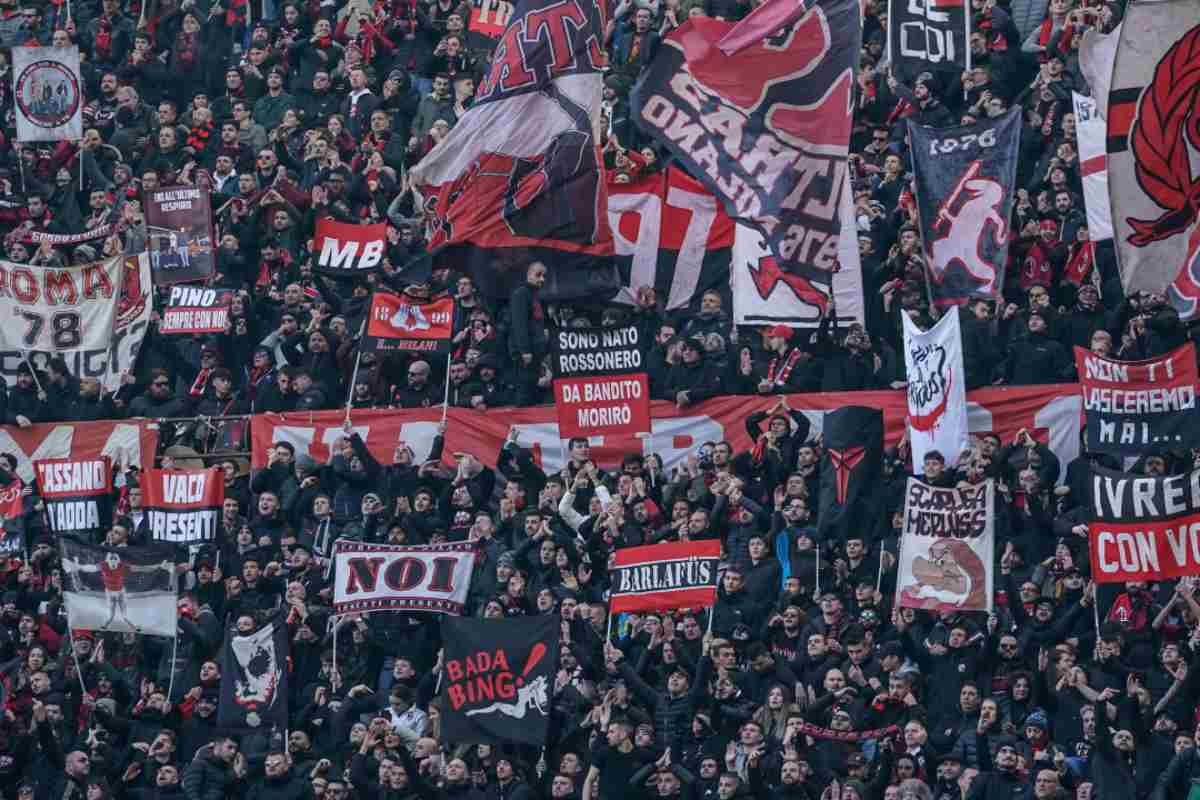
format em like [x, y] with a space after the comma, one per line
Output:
[254, 691]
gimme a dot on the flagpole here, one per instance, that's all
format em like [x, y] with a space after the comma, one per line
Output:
[357, 359]
[174, 652]
[78, 669]
[817, 589]
[446, 396]
[25, 355]
[879, 579]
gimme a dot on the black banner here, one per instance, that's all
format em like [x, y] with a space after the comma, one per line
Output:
[180, 235]
[928, 36]
[850, 467]
[498, 679]
[766, 129]
[254, 678]
[586, 352]
[192, 310]
[77, 494]
[966, 178]
[1136, 407]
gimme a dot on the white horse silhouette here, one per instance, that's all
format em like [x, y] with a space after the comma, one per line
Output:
[533, 692]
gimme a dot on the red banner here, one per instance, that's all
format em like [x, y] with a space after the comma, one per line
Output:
[183, 506]
[662, 576]
[346, 250]
[396, 323]
[1051, 413]
[612, 404]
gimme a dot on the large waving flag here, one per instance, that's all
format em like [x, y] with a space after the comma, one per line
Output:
[519, 178]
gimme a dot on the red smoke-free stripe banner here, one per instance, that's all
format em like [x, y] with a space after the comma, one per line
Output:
[1051, 413]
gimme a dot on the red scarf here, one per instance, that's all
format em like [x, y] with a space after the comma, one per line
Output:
[200, 383]
[785, 369]
[1046, 38]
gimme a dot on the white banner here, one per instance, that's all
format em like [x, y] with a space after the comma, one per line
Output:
[1096, 54]
[94, 316]
[937, 391]
[1090, 131]
[947, 545]
[47, 93]
[765, 295]
[131, 589]
[383, 577]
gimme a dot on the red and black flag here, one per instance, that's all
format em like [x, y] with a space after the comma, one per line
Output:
[12, 518]
[1137, 407]
[663, 576]
[765, 127]
[669, 233]
[182, 506]
[498, 679]
[397, 323]
[519, 178]
[77, 492]
[850, 467]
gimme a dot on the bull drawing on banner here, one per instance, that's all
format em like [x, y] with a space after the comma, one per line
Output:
[965, 230]
[409, 317]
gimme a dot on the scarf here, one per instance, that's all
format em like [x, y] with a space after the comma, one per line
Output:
[817, 732]
[1050, 42]
[185, 50]
[102, 41]
[200, 383]
[784, 369]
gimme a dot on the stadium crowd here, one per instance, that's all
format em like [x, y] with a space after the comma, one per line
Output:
[303, 110]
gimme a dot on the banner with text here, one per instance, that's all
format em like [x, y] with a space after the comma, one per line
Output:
[345, 250]
[385, 577]
[600, 383]
[1137, 406]
[182, 506]
[192, 310]
[497, 679]
[947, 548]
[93, 316]
[1144, 528]
[928, 36]
[937, 389]
[662, 576]
[397, 323]
[766, 127]
[180, 235]
[77, 494]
